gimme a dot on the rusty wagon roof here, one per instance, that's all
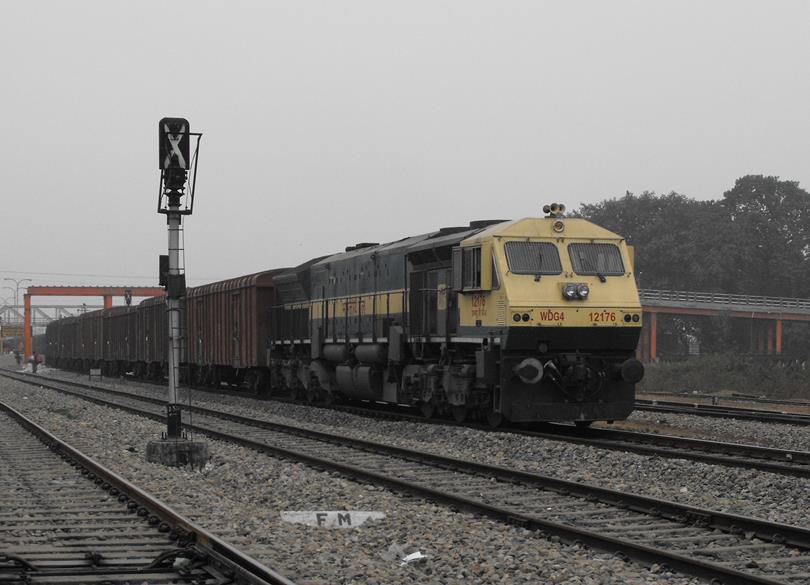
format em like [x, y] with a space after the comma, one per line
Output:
[258, 279]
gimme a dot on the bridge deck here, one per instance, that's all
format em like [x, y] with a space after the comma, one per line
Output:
[702, 303]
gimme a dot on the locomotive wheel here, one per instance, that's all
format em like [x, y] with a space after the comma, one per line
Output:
[460, 412]
[428, 409]
[583, 424]
[494, 419]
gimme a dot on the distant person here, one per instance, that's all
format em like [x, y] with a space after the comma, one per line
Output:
[18, 358]
[34, 362]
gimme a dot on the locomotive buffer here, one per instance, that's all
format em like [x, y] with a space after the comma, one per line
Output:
[175, 163]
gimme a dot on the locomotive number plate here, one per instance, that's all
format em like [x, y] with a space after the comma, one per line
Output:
[602, 317]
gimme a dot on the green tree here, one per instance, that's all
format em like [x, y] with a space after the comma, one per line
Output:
[771, 233]
[679, 242]
[755, 240]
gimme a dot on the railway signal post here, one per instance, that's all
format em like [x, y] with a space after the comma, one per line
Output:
[178, 169]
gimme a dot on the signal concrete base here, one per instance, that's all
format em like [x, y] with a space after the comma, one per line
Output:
[177, 453]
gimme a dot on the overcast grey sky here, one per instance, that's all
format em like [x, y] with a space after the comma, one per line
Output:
[329, 123]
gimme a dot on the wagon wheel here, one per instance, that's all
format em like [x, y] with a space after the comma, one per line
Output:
[583, 424]
[460, 412]
[428, 409]
[494, 419]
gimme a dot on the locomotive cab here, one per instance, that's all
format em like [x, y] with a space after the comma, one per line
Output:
[557, 301]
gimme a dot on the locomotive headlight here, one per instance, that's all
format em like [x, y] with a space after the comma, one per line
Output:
[570, 292]
[573, 291]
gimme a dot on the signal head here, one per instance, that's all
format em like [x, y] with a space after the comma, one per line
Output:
[173, 144]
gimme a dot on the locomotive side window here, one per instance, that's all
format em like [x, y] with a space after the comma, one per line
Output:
[596, 259]
[472, 268]
[533, 258]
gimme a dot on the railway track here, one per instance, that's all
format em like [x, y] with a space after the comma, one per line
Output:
[66, 519]
[782, 461]
[733, 397]
[675, 407]
[714, 545]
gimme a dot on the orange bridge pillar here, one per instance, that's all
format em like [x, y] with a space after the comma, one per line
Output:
[27, 326]
[779, 336]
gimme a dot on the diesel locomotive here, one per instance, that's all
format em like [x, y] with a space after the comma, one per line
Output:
[533, 319]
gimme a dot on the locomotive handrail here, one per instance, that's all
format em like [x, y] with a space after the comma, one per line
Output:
[653, 296]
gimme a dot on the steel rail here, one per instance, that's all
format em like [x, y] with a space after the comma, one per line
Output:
[772, 460]
[733, 397]
[731, 524]
[723, 412]
[248, 569]
[782, 461]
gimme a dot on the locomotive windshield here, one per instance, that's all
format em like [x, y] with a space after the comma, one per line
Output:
[596, 259]
[533, 258]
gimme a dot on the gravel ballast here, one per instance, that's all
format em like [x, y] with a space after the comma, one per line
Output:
[240, 494]
[755, 493]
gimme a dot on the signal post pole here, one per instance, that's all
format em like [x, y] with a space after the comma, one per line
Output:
[175, 163]
[173, 308]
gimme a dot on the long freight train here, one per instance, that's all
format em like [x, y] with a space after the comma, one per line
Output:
[527, 320]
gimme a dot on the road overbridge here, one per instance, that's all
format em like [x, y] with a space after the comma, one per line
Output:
[769, 313]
